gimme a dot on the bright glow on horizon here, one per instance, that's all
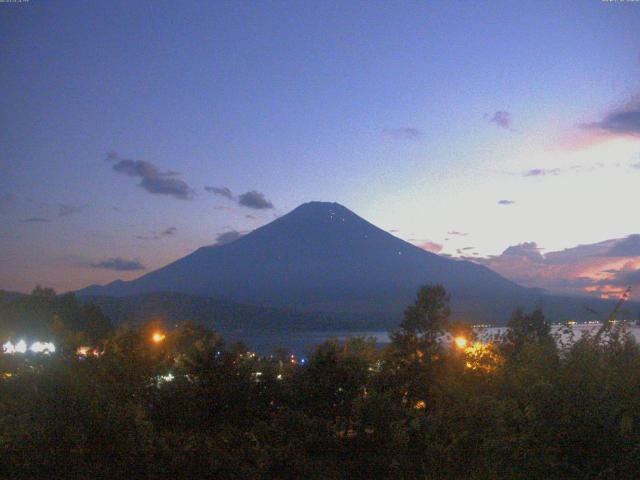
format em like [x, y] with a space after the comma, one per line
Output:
[158, 337]
[8, 348]
[460, 342]
[21, 347]
[42, 347]
[169, 377]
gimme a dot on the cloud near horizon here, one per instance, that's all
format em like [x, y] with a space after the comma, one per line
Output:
[429, 246]
[118, 264]
[620, 121]
[628, 247]
[153, 180]
[227, 237]
[541, 172]
[602, 269]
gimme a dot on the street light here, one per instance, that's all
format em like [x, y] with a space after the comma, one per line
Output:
[158, 337]
[461, 342]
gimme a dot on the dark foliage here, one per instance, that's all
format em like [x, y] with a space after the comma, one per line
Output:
[43, 314]
[224, 315]
[183, 404]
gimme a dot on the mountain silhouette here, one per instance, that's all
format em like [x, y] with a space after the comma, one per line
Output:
[322, 257]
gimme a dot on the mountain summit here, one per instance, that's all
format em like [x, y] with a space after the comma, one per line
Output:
[323, 257]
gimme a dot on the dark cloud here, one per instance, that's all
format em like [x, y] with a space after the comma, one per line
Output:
[529, 250]
[252, 199]
[68, 210]
[168, 231]
[153, 180]
[549, 172]
[500, 118]
[404, 133]
[118, 264]
[255, 200]
[628, 247]
[35, 220]
[158, 235]
[623, 121]
[626, 277]
[167, 186]
[136, 168]
[222, 191]
[228, 237]
[506, 202]
[541, 172]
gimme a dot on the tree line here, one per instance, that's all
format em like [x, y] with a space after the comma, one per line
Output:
[152, 402]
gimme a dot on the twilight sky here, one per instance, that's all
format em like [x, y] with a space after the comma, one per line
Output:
[135, 132]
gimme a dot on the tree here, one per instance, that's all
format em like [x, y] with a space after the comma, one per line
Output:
[43, 315]
[528, 328]
[424, 322]
[335, 376]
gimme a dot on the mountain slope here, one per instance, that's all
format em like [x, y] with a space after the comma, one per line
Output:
[322, 257]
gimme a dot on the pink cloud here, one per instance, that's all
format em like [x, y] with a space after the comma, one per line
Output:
[597, 269]
[619, 122]
[431, 247]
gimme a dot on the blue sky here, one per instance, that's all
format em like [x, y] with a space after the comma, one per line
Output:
[385, 107]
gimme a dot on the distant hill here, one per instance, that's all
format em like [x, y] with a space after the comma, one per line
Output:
[226, 316]
[321, 257]
[8, 296]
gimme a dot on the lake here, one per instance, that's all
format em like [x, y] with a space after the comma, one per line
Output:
[303, 343]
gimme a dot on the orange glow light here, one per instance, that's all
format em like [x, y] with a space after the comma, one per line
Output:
[461, 342]
[158, 337]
